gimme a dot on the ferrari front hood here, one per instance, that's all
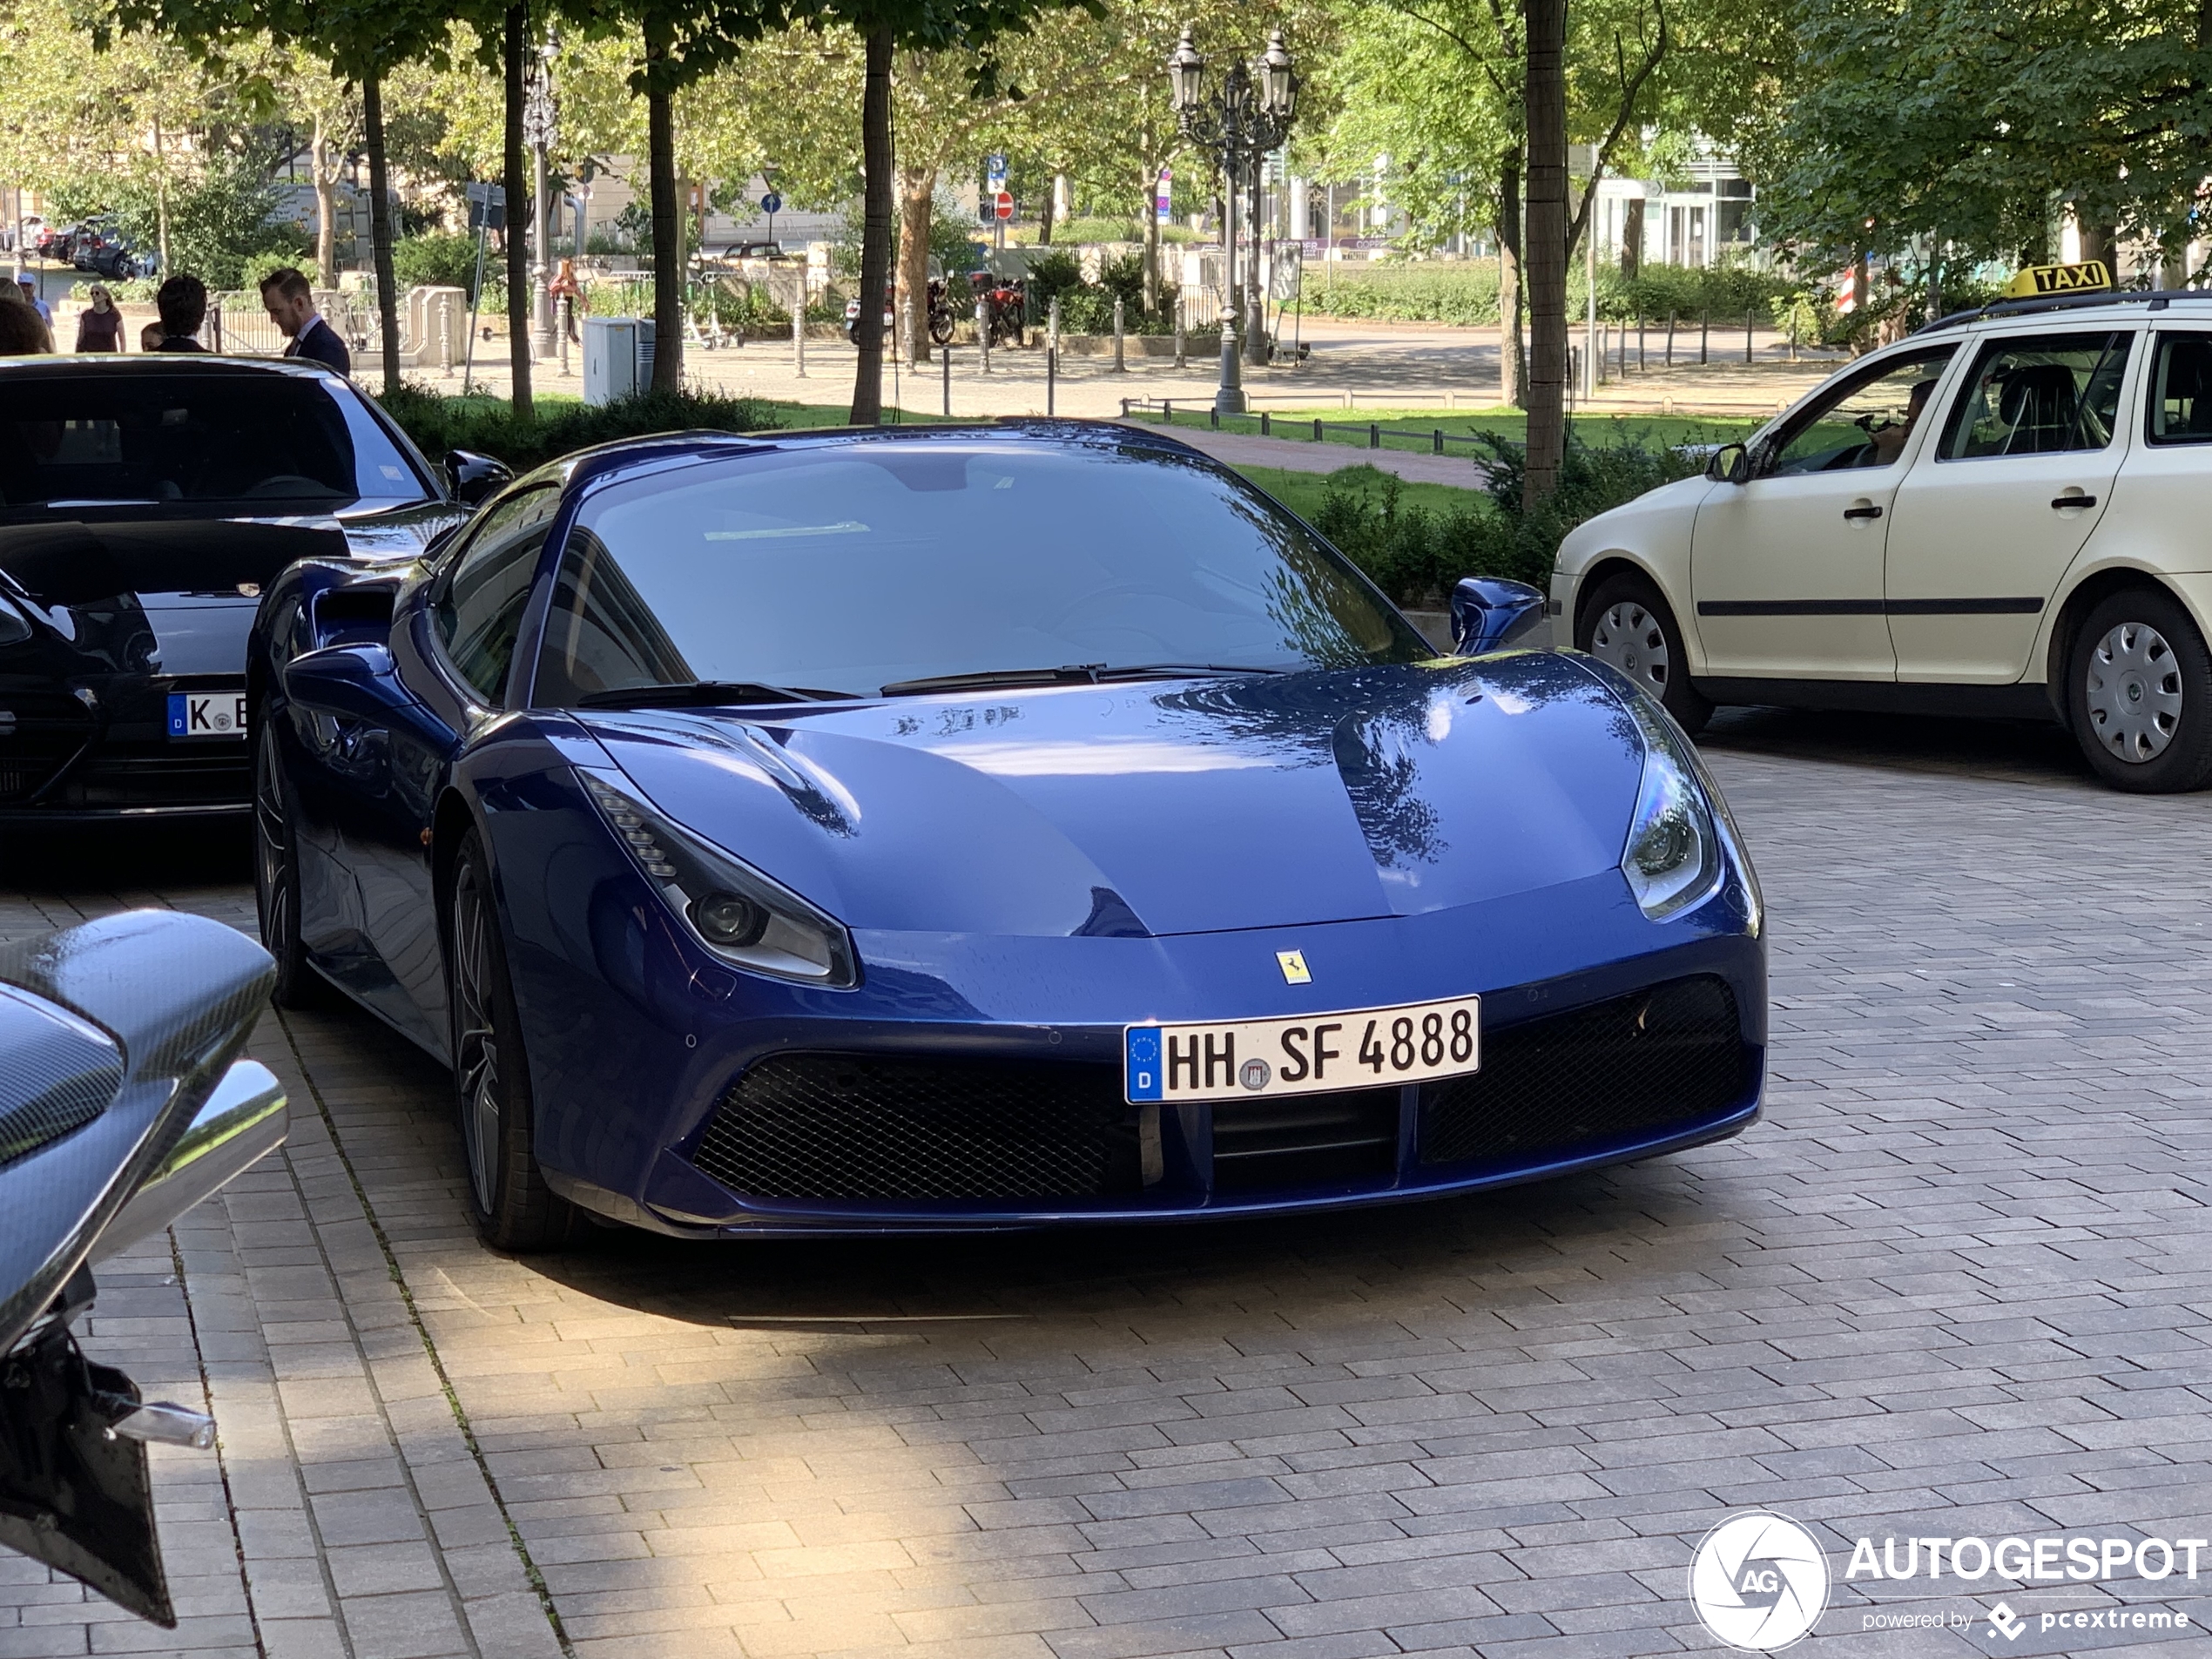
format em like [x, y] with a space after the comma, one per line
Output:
[1162, 808]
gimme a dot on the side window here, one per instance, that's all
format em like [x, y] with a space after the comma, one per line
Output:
[479, 605]
[1865, 422]
[2180, 390]
[2034, 395]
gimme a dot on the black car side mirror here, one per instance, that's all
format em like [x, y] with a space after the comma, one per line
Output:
[1729, 464]
[471, 477]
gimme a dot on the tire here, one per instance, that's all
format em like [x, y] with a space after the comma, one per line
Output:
[1626, 624]
[508, 1201]
[276, 873]
[2139, 692]
[941, 325]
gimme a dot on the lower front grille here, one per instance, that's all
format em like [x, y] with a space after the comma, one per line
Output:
[1671, 1055]
[184, 776]
[838, 1126]
[1305, 1140]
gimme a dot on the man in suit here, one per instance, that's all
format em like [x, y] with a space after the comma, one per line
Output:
[291, 304]
[182, 302]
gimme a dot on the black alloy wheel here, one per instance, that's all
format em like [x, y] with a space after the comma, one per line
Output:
[508, 1201]
[1625, 623]
[276, 873]
[2139, 694]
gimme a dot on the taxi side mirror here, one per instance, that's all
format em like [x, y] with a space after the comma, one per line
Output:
[1729, 464]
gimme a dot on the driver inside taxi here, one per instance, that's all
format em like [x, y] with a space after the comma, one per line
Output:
[1888, 442]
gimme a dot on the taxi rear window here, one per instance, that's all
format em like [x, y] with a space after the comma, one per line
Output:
[2181, 399]
[2039, 395]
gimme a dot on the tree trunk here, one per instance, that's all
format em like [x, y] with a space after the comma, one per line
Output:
[380, 226]
[325, 209]
[160, 199]
[2101, 242]
[875, 232]
[668, 211]
[1632, 240]
[1052, 202]
[916, 187]
[1152, 227]
[1546, 125]
[516, 44]
[1507, 223]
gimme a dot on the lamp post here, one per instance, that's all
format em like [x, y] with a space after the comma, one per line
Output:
[1249, 115]
[541, 116]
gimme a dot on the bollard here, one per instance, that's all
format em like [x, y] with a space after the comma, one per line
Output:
[1052, 324]
[1052, 378]
[1670, 339]
[1265, 429]
[1436, 441]
[1748, 317]
[1317, 429]
[1120, 367]
[945, 371]
[1374, 434]
[798, 333]
[984, 331]
[1793, 334]
[1178, 331]
[1704, 334]
[1640, 362]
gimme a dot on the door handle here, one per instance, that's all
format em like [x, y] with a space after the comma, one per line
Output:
[1862, 512]
[2062, 503]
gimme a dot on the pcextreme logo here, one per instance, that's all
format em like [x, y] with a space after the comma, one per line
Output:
[1759, 1581]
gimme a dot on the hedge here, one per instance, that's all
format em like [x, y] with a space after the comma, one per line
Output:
[487, 426]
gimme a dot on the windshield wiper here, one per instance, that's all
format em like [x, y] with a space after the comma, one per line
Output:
[1070, 674]
[993, 678]
[703, 691]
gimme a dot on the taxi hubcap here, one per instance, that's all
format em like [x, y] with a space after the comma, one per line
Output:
[2133, 692]
[1630, 637]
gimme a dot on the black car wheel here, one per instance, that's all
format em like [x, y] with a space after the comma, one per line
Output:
[2140, 692]
[276, 874]
[508, 1198]
[1624, 622]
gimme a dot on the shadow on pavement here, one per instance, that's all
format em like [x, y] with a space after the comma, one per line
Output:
[2020, 750]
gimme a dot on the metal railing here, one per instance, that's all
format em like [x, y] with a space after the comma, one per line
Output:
[1267, 425]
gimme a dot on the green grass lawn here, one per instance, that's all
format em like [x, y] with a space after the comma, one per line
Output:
[1412, 428]
[1302, 491]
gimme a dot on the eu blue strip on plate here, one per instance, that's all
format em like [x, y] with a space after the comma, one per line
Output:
[1141, 1053]
[177, 717]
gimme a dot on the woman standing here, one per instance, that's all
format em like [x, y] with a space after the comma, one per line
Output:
[100, 325]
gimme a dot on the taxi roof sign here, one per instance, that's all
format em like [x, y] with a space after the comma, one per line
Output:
[2085, 277]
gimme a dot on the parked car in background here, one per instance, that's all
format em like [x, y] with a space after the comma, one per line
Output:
[2001, 515]
[146, 501]
[23, 232]
[54, 242]
[124, 1102]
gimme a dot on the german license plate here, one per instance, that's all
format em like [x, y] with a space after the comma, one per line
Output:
[206, 714]
[1310, 1053]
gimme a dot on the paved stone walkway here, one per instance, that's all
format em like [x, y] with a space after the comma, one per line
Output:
[1954, 1284]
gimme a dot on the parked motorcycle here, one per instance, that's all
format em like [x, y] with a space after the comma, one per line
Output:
[123, 1104]
[1006, 301]
[852, 318]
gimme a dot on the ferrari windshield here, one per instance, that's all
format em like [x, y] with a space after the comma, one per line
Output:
[850, 568]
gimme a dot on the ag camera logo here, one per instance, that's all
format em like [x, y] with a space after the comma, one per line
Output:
[1759, 1581]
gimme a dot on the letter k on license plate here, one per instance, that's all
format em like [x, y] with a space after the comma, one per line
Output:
[1311, 1053]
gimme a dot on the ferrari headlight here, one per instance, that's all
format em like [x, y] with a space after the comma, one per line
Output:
[1672, 856]
[739, 914]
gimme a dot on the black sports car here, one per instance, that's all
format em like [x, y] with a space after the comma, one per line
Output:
[144, 502]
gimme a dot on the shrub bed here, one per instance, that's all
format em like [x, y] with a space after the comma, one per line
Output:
[488, 425]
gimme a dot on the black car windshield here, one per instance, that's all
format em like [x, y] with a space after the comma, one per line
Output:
[849, 568]
[283, 443]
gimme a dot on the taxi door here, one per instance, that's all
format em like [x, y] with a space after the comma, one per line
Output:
[1988, 521]
[1786, 568]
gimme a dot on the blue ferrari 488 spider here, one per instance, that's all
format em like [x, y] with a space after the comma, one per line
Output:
[972, 827]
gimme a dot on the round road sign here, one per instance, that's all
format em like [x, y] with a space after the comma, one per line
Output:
[771, 203]
[1004, 205]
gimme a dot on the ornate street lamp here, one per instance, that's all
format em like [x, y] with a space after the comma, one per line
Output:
[1250, 117]
[540, 122]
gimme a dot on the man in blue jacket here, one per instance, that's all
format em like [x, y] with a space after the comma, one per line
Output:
[291, 304]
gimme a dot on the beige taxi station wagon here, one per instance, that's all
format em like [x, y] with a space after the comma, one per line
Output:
[2009, 513]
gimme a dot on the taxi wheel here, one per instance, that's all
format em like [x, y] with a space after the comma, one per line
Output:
[2140, 691]
[1625, 623]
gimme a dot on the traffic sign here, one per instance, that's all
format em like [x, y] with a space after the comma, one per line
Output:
[1003, 207]
[994, 174]
[771, 203]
